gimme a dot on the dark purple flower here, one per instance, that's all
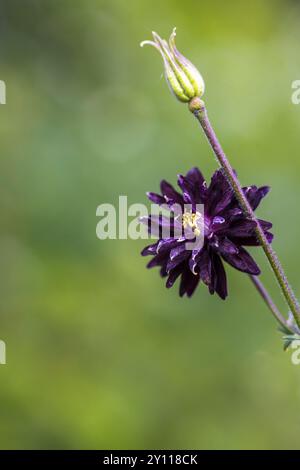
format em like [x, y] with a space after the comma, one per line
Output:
[226, 231]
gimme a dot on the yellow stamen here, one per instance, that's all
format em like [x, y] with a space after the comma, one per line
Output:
[189, 219]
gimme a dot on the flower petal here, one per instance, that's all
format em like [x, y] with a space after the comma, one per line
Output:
[265, 225]
[192, 283]
[226, 246]
[242, 261]
[219, 194]
[163, 271]
[161, 226]
[241, 228]
[156, 198]
[220, 277]
[219, 223]
[193, 261]
[177, 255]
[255, 195]
[195, 175]
[199, 183]
[174, 274]
[177, 251]
[188, 283]
[158, 260]
[187, 188]
[170, 193]
[166, 244]
[150, 249]
[204, 265]
[252, 240]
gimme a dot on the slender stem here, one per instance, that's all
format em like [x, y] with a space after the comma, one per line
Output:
[269, 302]
[199, 111]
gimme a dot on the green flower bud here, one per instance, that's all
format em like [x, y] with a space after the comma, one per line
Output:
[183, 79]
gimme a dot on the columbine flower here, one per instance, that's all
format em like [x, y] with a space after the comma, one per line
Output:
[226, 231]
[183, 78]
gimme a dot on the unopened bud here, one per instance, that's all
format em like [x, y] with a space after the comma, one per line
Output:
[184, 80]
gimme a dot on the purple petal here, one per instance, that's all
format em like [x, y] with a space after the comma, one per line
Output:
[174, 274]
[161, 226]
[187, 188]
[195, 175]
[226, 246]
[269, 236]
[219, 194]
[193, 261]
[241, 228]
[265, 225]
[150, 249]
[177, 255]
[163, 271]
[177, 251]
[192, 284]
[242, 261]
[188, 283]
[255, 195]
[156, 198]
[204, 265]
[224, 201]
[170, 193]
[232, 213]
[219, 223]
[158, 260]
[200, 189]
[220, 277]
[212, 282]
[252, 240]
[166, 244]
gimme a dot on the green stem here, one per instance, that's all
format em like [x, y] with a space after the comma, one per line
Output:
[197, 107]
[269, 302]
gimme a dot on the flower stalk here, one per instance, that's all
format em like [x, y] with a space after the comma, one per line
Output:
[187, 85]
[197, 107]
[270, 303]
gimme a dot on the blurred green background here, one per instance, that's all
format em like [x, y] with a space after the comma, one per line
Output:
[99, 353]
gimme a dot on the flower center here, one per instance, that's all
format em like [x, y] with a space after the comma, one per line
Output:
[189, 219]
